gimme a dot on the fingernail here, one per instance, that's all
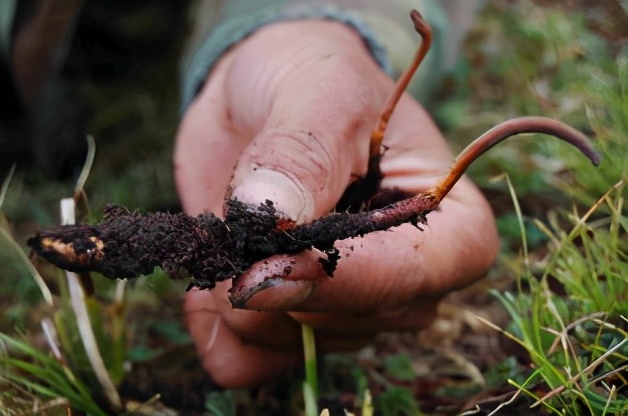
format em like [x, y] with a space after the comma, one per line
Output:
[259, 184]
[280, 294]
[270, 287]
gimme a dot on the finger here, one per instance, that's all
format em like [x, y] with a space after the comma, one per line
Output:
[280, 331]
[207, 146]
[417, 155]
[273, 329]
[237, 356]
[408, 317]
[232, 362]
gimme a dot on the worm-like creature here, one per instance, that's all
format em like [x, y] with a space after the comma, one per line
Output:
[209, 249]
[127, 244]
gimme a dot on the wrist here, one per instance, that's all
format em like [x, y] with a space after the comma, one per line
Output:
[331, 32]
[306, 40]
[233, 32]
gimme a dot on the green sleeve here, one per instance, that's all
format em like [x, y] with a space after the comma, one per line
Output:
[385, 27]
[7, 12]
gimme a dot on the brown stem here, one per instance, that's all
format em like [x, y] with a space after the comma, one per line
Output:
[504, 130]
[377, 136]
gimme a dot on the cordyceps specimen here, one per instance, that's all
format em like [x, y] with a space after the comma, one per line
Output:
[210, 249]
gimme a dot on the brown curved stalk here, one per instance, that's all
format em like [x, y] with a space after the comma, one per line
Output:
[365, 187]
[377, 135]
[504, 130]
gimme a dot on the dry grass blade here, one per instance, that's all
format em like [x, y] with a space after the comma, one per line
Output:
[87, 167]
[577, 377]
[77, 300]
[43, 288]
[5, 185]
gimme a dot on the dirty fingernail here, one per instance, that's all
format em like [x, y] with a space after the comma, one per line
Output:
[270, 285]
[259, 184]
[280, 294]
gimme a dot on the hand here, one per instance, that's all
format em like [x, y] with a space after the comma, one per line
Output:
[292, 107]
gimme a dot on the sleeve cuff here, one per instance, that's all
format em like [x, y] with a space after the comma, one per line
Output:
[195, 69]
[7, 13]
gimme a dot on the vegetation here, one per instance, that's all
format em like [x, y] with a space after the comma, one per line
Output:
[544, 333]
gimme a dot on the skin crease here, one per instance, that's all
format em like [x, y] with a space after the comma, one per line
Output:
[286, 115]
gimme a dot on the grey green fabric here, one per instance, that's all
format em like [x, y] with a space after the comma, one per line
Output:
[7, 12]
[385, 27]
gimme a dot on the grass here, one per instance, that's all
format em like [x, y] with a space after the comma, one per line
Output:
[44, 376]
[310, 385]
[562, 273]
[574, 338]
[569, 304]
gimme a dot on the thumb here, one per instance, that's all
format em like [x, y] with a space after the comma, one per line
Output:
[310, 135]
[303, 171]
[310, 107]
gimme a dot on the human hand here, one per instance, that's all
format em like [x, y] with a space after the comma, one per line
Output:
[292, 107]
